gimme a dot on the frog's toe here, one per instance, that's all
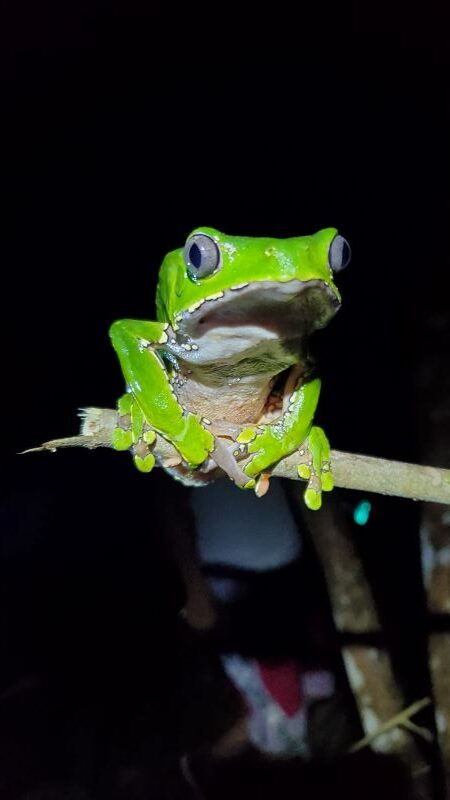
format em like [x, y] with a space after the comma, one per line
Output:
[149, 436]
[314, 467]
[313, 498]
[317, 483]
[327, 478]
[143, 459]
[247, 435]
[121, 439]
[262, 484]
[144, 464]
[133, 433]
[122, 435]
[304, 471]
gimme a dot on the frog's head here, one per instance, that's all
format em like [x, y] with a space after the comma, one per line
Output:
[286, 285]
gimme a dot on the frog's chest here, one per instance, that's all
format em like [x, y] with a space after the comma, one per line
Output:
[239, 400]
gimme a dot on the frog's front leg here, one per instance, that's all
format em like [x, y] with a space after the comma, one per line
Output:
[292, 431]
[152, 405]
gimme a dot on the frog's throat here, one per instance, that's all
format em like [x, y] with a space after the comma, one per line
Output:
[285, 307]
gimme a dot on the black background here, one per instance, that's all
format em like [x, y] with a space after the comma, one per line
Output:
[126, 126]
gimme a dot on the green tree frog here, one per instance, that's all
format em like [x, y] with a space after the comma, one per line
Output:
[224, 373]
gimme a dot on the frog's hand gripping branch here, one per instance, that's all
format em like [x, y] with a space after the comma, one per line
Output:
[151, 405]
[293, 431]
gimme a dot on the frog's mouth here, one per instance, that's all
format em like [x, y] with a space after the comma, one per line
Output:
[263, 320]
[294, 308]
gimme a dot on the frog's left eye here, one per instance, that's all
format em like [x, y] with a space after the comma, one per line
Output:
[339, 254]
[202, 255]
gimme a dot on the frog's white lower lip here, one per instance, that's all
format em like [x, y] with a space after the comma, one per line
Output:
[290, 308]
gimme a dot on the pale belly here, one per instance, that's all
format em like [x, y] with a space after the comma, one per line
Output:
[239, 401]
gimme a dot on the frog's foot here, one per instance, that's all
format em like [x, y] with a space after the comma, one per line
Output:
[133, 434]
[256, 478]
[314, 467]
[224, 455]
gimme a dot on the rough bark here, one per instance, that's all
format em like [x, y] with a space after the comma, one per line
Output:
[434, 395]
[387, 725]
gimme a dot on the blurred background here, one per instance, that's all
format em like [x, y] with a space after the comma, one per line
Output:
[124, 127]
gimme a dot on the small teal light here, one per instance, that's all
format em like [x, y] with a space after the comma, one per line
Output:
[362, 511]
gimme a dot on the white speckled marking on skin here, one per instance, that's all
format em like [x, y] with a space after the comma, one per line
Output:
[196, 305]
[284, 259]
[230, 250]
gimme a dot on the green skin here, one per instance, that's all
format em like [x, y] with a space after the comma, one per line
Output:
[225, 339]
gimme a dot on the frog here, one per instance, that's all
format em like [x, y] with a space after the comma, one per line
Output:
[224, 373]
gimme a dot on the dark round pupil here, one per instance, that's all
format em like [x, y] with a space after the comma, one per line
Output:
[195, 256]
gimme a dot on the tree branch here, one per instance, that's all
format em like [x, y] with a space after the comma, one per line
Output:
[350, 470]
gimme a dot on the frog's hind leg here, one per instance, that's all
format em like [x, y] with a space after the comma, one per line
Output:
[293, 431]
[270, 442]
[224, 455]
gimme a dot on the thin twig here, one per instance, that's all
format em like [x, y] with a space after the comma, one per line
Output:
[400, 719]
[350, 470]
[423, 733]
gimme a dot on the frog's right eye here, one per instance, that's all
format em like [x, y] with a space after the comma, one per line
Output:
[202, 255]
